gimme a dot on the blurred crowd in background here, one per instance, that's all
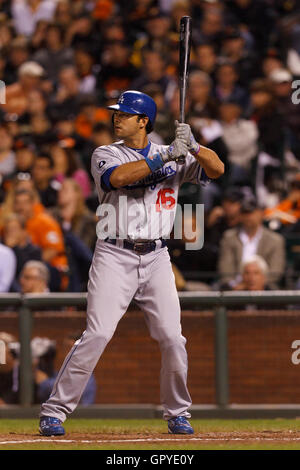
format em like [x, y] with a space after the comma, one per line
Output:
[64, 61]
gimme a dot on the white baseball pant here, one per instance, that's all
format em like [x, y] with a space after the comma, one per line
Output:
[117, 276]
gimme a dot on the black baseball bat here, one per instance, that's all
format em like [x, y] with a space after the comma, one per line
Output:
[184, 61]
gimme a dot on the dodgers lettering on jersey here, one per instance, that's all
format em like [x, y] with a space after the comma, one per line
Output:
[146, 209]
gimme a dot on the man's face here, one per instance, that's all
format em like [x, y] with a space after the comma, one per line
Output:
[126, 125]
[153, 65]
[41, 171]
[253, 277]
[5, 140]
[226, 75]
[30, 281]
[283, 89]
[231, 208]
[23, 205]
[205, 57]
[198, 88]
[252, 220]
[158, 27]
[13, 233]
[24, 158]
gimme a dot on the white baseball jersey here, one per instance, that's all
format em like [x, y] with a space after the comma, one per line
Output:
[151, 202]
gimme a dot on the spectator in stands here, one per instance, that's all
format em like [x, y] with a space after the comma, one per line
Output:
[154, 72]
[67, 165]
[224, 217]
[271, 62]
[37, 105]
[209, 133]
[72, 213]
[54, 55]
[240, 137]
[44, 232]
[17, 94]
[63, 13]
[227, 87]
[235, 49]
[7, 155]
[282, 82]
[37, 39]
[6, 33]
[25, 155]
[21, 181]
[19, 54]
[26, 14]
[117, 72]
[89, 115]
[104, 47]
[83, 31]
[66, 100]
[210, 27]
[269, 121]
[254, 275]
[43, 178]
[287, 211]
[7, 268]
[199, 94]
[84, 61]
[205, 59]
[34, 278]
[165, 118]
[157, 37]
[16, 237]
[9, 372]
[101, 135]
[256, 17]
[251, 238]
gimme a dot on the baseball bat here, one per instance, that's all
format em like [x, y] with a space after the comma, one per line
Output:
[184, 61]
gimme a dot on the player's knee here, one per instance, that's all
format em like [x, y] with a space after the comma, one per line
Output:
[169, 339]
[98, 340]
[103, 337]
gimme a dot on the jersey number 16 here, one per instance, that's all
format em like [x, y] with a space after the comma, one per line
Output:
[164, 200]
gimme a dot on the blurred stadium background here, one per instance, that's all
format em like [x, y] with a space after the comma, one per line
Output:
[62, 62]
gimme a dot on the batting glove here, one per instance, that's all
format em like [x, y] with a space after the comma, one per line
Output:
[178, 148]
[183, 131]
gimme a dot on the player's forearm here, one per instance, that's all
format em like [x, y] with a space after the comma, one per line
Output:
[129, 173]
[210, 162]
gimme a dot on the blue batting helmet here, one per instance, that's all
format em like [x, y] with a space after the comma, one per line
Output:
[135, 102]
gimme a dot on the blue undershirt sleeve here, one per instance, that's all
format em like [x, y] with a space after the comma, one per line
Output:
[105, 179]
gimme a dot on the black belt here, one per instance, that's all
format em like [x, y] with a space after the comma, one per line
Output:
[140, 248]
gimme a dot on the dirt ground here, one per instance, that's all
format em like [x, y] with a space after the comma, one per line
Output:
[208, 437]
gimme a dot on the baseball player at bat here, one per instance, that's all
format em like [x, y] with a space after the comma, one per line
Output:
[135, 265]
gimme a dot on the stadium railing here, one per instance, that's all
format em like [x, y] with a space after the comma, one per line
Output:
[219, 302]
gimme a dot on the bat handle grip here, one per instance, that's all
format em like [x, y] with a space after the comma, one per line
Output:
[181, 160]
